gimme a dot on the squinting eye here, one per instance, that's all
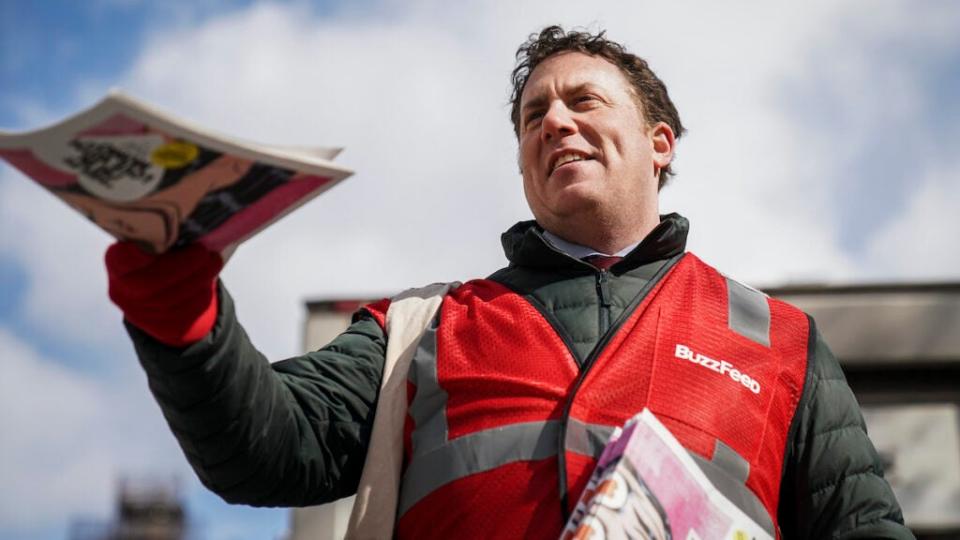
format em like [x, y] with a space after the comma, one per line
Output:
[532, 118]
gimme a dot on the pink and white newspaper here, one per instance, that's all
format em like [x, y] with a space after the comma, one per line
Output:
[646, 486]
[146, 177]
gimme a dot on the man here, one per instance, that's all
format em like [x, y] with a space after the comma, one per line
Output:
[521, 376]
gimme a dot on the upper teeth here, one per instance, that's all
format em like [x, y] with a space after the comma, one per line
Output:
[567, 158]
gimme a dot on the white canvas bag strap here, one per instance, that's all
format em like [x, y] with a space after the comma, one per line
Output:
[408, 316]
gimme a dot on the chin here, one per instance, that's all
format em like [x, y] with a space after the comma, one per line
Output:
[577, 197]
[573, 207]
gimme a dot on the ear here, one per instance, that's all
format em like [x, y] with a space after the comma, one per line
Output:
[663, 141]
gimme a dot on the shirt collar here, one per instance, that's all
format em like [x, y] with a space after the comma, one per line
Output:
[578, 251]
[525, 245]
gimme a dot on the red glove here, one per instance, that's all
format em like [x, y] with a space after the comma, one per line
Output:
[171, 296]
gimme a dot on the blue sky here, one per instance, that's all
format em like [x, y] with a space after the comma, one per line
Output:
[50, 46]
[821, 148]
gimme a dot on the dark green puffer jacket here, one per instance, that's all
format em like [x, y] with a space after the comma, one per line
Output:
[294, 433]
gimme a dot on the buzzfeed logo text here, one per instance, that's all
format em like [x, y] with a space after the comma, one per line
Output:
[722, 367]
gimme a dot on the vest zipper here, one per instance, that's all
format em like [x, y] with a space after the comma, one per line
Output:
[588, 363]
[603, 293]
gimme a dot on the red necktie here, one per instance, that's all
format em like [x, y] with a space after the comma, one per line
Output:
[602, 262]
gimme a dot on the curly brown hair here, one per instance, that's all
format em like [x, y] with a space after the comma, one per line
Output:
[650, 91]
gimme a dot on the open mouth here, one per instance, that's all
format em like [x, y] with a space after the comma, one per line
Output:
[567, 157]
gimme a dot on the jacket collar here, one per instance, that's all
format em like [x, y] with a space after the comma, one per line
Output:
[524, 245]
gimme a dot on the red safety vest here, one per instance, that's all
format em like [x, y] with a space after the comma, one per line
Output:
[503, 423]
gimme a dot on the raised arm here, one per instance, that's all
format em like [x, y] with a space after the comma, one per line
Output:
[292, 433]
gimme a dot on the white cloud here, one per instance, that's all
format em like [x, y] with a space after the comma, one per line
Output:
[68, 437]
[922, 241]
[63, 257]
[864, 97]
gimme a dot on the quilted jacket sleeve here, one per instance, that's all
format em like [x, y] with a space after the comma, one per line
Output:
[833, 484]
[292, 433]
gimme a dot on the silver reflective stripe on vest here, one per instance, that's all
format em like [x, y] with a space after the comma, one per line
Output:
[435, 461]
[429, 407]
[729, 460]
[728, 472]
[748, 312]
[586, 439]
[475, 453]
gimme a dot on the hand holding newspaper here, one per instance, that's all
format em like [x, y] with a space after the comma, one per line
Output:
[646, 486]
[163, 183]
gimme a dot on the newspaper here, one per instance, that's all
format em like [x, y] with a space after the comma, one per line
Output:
[646, 486]
[144, 176]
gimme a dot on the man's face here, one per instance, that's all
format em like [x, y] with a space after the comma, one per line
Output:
[584, 143]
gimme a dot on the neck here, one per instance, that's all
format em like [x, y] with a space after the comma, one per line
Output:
[608, 238]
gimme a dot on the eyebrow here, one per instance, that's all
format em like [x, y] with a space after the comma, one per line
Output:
[536, 103]
[541, 100]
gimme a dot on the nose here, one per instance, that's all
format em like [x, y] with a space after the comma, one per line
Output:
[557, 122]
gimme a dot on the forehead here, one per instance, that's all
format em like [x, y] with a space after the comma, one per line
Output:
[567, 71]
